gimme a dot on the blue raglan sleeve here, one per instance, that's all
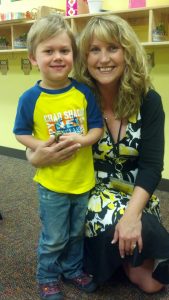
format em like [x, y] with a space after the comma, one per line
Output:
[23, 124]
[94, 115]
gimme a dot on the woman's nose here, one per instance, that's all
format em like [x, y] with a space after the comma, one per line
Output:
[104, 56]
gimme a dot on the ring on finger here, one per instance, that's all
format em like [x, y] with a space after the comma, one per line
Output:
[133, 246]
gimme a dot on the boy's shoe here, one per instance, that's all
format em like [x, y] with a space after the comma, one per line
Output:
[50, 291]
[83, 282]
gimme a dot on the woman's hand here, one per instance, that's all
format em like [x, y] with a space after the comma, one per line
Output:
[51, 152]
[128, 234]
[129, 228]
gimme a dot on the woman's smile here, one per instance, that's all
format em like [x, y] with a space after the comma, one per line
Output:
[106, 69]
[105, 59]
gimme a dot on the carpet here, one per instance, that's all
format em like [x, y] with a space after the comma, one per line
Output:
[19, 235]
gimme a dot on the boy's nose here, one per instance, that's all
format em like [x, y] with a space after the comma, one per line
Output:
[57, 55]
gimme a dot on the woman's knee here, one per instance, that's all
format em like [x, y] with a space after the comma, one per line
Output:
[142, 278]
[151, 287]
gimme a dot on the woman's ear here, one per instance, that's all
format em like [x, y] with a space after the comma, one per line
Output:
[32, 59]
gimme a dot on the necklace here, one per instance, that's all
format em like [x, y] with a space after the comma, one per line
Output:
[116, 145]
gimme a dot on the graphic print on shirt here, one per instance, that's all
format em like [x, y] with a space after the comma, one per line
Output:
[71, 121]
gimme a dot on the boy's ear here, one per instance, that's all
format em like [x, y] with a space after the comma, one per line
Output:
[32, 60]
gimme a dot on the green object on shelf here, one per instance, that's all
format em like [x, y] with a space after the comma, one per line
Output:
[20, 41]
[3, 42]
[159, 33]
[159, 29]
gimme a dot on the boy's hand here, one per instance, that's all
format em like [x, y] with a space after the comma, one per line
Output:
[76, 138]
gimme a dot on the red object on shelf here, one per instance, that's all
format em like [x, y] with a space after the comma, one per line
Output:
[76, 7]
[137, 3]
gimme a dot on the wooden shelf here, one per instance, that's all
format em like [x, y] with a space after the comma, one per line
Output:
[143, 21]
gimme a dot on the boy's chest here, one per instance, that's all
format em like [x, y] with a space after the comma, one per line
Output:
[59, 114]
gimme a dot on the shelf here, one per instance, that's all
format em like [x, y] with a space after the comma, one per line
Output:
[142, 20]
[13, 50]
[156, 44]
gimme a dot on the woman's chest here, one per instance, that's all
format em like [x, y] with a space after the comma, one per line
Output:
[116, 128]
[119, 140]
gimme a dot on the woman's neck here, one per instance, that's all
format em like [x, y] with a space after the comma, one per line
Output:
[108, 96]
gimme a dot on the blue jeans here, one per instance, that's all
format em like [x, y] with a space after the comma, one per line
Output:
[60, 249]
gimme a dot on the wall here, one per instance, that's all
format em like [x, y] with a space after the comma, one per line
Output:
[123, 4]
[160, 77]
[15, 82]
[25, 5]
[107, 4]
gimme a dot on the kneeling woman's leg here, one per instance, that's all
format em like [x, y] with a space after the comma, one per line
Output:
[142, 276]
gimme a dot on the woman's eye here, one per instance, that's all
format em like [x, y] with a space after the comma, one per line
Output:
[94, 49]
[113, 48]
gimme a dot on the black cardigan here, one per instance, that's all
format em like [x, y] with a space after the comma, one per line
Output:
[151, 150]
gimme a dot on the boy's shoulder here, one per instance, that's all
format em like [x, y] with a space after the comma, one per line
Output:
[31, 91]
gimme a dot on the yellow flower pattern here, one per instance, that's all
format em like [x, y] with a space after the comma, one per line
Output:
[113, 189]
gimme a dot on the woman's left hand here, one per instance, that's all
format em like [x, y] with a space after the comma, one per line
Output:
[128, 234]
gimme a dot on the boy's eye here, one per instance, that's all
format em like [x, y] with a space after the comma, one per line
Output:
[48, 51]
[65, 51]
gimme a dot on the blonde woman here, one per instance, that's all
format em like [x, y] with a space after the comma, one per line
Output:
[123, 221]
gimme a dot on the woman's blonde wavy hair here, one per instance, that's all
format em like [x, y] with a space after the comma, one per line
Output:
[135, 81]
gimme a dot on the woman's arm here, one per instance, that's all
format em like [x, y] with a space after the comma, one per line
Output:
[128, 230]
[151, 152]
[51, 152]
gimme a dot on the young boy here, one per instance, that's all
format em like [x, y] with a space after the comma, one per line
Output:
[59, 105]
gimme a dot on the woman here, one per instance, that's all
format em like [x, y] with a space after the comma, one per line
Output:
[123, 224]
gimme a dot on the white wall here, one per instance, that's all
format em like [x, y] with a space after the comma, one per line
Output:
[28, 5]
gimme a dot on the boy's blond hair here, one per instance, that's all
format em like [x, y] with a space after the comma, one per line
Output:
[48, 27]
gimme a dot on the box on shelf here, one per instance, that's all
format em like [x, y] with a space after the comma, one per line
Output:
[137, 3]
[95, 6]
[76, 7]
[20, 41]
[12, 16]
[43, 11]
[4, 44]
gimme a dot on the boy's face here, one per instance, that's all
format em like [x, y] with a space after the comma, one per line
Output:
[54, 58]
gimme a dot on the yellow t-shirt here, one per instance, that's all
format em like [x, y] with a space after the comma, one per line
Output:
[43, 112]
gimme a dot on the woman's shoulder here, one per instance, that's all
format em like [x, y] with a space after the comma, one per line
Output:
[152, 106]
[151, 101]
[152, 97]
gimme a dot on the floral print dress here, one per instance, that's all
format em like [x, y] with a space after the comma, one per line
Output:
[116, 168]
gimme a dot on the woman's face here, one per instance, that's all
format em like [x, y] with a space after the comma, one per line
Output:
[105, 62]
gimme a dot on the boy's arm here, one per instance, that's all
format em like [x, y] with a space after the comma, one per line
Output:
[92, 136]
[28, 141]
